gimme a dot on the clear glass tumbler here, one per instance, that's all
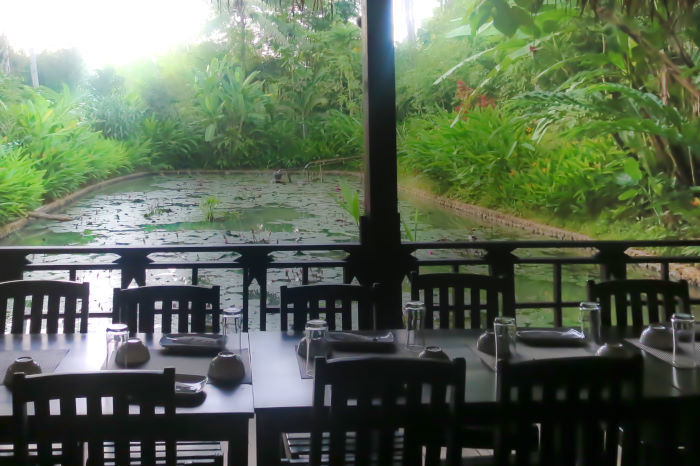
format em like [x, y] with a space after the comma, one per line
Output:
[504, 329]
[232, 327]
[683, 340]
[414, 320]
[116, 336]
[314, 334]
[589, 315]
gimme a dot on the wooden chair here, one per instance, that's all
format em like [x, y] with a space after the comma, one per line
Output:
[631, 297]
[52, 302]
[452, 308]
[305, 302]
[368, 406]
[97, 409]
[191, 305]
[580, 404]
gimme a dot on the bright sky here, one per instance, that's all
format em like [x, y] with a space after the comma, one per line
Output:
[119, 31]
[105, 31]
[422, 9]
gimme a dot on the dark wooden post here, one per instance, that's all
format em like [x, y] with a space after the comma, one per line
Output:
[380, 232]
[133, 264]
[613, 261]
[13, 265]
[501, 262]
[255, 263]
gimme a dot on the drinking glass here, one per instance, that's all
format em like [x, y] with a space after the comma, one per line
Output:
[232, 327]
[314, 333]
[683, 340]
[589, 314]
[504, 331]
[414, 320]
[116, 335]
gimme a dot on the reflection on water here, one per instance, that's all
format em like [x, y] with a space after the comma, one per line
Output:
[165, 210]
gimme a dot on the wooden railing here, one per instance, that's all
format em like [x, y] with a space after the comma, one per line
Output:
[259, 263]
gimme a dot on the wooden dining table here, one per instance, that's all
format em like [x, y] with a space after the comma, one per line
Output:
[283, 399]
[223, 415]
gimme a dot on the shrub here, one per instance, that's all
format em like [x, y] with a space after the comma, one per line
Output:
[21, 184]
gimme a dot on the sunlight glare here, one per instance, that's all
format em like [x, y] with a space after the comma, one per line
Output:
[422, 10]
[105, 31]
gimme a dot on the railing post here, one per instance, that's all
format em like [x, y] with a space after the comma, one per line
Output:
[13, 264]
[501, 262]
[255, 264]
[613, 262]
[133, 266]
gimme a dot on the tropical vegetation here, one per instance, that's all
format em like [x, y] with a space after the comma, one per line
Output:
[580, 113]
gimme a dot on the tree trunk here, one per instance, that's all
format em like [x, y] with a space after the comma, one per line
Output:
[33, 70]
[410, 20]
[5, 65]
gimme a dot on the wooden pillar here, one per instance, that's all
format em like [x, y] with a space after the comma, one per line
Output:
[380, 232]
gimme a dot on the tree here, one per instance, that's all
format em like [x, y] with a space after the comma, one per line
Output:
[655, 98]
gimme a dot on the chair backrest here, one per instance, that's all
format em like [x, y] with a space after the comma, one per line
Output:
[190, 305]
[52, 302]
[460, 296]
[94, 408]
[361, 403]
[305, 302]
[631, 297]
[579, 403]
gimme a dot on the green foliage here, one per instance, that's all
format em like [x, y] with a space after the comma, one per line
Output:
[64, 147]
[585, 116]
[490, 159]
[21, 187]
[233, 113]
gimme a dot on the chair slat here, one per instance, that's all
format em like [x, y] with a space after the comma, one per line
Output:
[52, 314]
[36, 315]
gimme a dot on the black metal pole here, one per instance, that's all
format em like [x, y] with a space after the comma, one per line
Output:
[380, 232]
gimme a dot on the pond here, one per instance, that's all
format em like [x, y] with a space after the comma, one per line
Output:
[249, 208]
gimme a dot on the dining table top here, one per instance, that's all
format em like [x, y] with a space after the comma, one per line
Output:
[87, 352]
[278, 385]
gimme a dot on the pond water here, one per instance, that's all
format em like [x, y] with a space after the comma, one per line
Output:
[249, 208]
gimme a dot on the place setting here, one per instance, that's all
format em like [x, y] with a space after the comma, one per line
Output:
[674, 342]
[506, 341]
[198, 358]
[29, 362]
[319, 341]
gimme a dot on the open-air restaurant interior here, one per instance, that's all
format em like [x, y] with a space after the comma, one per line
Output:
[409, 358]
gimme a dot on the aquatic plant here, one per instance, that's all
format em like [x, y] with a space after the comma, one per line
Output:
[208, 206]
[349, 200]
[411, 234]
